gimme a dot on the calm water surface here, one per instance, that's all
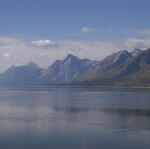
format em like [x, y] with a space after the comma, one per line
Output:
[74, 118]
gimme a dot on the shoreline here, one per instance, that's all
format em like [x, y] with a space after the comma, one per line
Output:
[77, 86]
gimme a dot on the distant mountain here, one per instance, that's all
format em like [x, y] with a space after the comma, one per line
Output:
[64, 71]
[135, 71]
[109, 63]
[21, 74]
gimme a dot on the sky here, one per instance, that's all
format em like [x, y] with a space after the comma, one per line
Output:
[45, 30]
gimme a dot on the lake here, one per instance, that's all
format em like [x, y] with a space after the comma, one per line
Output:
[74, 118]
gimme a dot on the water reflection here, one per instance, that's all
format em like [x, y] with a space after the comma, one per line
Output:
[74, 118]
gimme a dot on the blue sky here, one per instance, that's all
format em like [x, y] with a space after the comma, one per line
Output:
[56, 18]
[46, 30]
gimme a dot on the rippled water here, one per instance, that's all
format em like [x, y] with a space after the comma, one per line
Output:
[74, 118]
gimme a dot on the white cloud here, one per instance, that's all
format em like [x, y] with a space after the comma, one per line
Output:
[86, 29]
[137, 43]
[41, 43]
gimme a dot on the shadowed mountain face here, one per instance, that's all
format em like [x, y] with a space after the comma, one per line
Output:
[135, 71]
[109, 63]
[66, 70]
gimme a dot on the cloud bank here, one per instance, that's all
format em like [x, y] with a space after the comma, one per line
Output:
[137, 43]
[18, 51]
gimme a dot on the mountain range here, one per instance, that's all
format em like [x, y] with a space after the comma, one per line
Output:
[61, 71]
[122, 68]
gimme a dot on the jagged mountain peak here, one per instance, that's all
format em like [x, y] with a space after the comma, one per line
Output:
[121, 55]
[71, 57]
[136, 51]
[32, 64]
[122, 52]
[72, 60]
